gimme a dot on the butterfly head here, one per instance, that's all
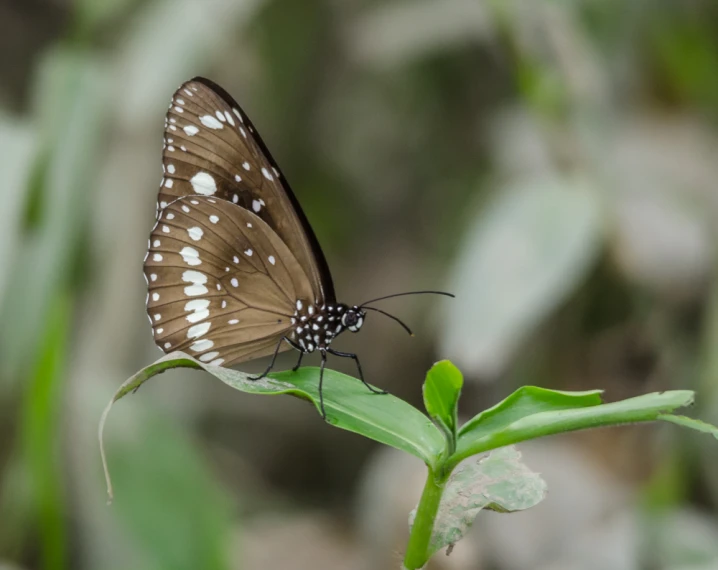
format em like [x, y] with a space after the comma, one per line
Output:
[353, 318]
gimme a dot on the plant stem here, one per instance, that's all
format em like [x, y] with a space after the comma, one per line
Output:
[418, 547]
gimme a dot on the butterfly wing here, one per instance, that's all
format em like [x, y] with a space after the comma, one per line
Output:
[222, 284]
[212, 149]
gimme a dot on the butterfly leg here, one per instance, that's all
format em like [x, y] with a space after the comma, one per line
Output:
[299, 362]
[274, 357]
[321, 383]
[355, 358]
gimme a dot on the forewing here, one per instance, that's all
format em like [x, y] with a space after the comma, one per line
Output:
[222, 284]
[212, 149]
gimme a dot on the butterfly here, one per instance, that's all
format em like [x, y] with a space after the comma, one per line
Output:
[233, 268]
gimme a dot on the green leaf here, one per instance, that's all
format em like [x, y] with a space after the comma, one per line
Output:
[499, 481]
[41, 442]
[441, 397]
[348, 403]
[546, 412]
[527, 399]
[690, 423]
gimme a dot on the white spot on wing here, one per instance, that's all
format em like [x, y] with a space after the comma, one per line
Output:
[230, 120]
[214, 219]
[239, 115]
[157, 257]
[198, 280]
[267, 174]
[153, 277]
[168, 183]
[272, 260]
[190, 256]
[195, 233]
[217, 362]
[208, 356]
[220, 116]
[171, 168]
[197, 331]
[234, 282]
[155, 296]
[232, 321]
[248, 253]
[202, 345]
[245, 165]
[210, 122]
[203, 183]
[199, 308]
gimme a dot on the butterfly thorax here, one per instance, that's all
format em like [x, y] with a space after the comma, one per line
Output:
[316, 326]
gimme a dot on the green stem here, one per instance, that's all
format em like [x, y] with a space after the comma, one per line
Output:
[418, 547]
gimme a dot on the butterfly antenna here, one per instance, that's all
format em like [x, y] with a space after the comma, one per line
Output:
[409, 293]
[406, 328]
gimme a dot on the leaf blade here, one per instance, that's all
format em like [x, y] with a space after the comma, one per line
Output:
[529, 397]
[441, 390]
[690, 423]
[349, 405]
[530, 423]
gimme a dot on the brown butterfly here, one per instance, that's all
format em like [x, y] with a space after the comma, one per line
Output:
[234, 270]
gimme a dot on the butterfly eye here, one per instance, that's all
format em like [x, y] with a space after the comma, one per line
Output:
[349, 319]
[352, 320]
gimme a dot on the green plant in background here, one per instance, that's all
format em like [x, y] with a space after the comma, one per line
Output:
[459, 484]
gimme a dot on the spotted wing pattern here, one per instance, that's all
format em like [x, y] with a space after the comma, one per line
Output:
[222, 284]
[212, 149]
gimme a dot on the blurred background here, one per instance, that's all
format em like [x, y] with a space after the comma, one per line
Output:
[554, 164]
